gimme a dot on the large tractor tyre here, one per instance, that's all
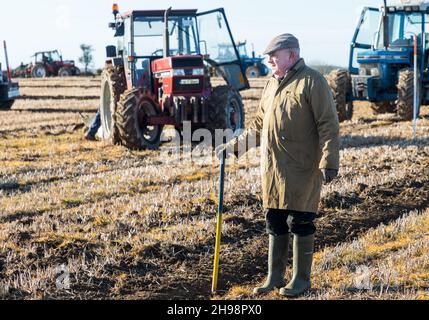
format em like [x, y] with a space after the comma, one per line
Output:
[405, 103]
[226, 110]
[383, 107]
[39, 71]
[113, 84]
[132, 113]
[6, 105]
[76, 71]
[340, 82]
[253, 72]
[65, 72]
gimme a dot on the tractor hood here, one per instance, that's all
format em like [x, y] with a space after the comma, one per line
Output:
[255, 60]
[69, 62]
[384, 56]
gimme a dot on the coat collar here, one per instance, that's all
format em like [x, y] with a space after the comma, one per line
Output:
[292, 71]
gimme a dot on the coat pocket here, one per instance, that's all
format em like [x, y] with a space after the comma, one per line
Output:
[290, 116]
[296, 154]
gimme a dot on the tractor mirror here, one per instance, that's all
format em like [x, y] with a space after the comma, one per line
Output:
[111, 52]
[204, 42]
[120, 29]
[386, 31]
[219, 20]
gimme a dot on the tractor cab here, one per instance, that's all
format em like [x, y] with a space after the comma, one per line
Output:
[180, 36]
[47, 57]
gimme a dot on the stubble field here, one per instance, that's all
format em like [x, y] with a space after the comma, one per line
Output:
[121, 224]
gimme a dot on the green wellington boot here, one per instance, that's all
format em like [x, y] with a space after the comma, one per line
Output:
[303, 248]
[277, 261]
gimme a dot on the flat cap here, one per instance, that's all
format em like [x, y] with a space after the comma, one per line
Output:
[283, 41]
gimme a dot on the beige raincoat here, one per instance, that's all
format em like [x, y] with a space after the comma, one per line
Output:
[297, 128]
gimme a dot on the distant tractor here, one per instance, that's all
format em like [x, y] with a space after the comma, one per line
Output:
[48, 64]
[381, 61]
[254, 65]
[23, 71]
[9, 90]
[159, 75]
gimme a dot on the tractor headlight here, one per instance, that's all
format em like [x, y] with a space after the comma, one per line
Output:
[188, 72]
[179, 72]
[375, 72]
[198, 72]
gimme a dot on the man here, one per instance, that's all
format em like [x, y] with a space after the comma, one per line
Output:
[94, 126]
[298, 130]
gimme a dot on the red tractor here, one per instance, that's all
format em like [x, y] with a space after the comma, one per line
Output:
[159, 74]
[50, 63]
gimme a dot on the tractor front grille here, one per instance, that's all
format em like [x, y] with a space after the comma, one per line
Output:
[188, 63]
[188, 85]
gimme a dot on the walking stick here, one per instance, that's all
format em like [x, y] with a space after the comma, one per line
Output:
[219, 224]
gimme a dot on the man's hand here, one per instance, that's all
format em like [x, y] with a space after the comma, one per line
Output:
[329, 175]
[224, 148]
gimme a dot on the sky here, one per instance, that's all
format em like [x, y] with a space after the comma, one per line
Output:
[324, 28]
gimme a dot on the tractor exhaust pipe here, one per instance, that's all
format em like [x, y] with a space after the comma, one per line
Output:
[166, 34]
[385, 26]
[9, 75]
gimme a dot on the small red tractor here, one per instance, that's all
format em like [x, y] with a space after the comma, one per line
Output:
[47, 64]
[9, 90]
[159, 74]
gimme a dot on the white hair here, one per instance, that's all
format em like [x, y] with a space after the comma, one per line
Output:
[296, 51]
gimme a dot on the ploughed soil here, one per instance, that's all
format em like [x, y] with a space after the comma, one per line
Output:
[179, 272]
[341, 218]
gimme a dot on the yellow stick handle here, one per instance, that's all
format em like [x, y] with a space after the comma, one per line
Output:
[219, 225]
[217, 252]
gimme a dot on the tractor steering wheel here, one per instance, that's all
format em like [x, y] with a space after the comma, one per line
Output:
[158, 52]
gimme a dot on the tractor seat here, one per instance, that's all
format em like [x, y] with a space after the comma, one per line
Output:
[426, 41]
[143, 74]
[402, 43]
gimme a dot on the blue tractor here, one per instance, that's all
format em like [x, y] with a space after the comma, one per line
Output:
[253, 65]
[9, 91]
[381, 61]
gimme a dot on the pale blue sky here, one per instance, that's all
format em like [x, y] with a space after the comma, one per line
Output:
[325, 28]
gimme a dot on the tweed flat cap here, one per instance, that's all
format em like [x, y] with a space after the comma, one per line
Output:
[284, 41]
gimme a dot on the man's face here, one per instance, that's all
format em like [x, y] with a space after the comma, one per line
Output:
[280, 61]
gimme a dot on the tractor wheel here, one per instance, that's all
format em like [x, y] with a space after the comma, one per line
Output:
[132, 113]
[76, 71]
[383, 107]
[349, 110]
[340, 82]
[64, 72]
[405, 103]
[39, 71]
[226, 110]
[6, 105]
[113, 84]
[253, 72]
